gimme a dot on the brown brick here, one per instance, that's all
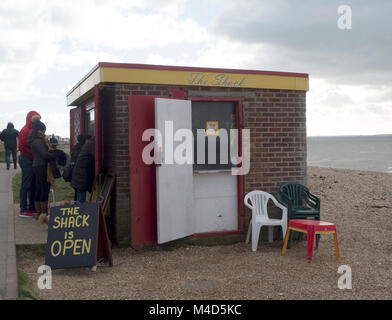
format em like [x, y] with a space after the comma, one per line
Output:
[277, 119]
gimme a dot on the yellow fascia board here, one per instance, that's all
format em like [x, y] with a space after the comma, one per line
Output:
[207, 79]
[194, 77]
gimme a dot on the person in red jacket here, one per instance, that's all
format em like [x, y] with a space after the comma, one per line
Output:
[27, 209]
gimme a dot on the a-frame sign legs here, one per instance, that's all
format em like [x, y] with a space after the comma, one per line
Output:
[104, 251]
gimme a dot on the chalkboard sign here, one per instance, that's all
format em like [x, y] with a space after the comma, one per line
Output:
[73, 236]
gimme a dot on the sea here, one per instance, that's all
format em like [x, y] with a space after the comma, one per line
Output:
[371, 153]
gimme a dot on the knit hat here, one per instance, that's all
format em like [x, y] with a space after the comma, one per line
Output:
[39, 126]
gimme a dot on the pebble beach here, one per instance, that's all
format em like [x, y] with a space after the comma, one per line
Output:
[358, 202]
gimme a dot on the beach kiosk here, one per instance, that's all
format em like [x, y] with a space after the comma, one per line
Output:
[161, 200]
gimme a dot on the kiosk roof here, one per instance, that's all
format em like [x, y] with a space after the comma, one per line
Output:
[188, 76]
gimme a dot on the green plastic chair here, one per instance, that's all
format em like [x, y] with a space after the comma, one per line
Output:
[300, 203]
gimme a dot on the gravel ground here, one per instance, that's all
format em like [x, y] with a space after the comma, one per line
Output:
[358, 202]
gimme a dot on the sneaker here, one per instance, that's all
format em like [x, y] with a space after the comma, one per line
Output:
[8, 168]
[34, 213]
[26, 214]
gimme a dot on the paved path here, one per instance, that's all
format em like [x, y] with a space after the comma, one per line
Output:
[29, 231]
[8, 271]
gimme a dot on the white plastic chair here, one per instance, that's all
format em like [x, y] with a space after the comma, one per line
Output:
[257, 202]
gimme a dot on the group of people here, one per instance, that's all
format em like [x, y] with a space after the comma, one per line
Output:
[39, 160]
[35, 154]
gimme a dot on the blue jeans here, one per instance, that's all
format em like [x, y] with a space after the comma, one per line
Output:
[8, 153]
[81, 195]
[27, 187]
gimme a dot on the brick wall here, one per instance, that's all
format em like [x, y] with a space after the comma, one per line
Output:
[277, 123]
[277, 120]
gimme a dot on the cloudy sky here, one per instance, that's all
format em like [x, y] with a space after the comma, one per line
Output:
[47, 46]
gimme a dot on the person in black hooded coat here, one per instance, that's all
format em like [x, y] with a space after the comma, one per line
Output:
[67, 174]
[84, 171]
[42, 156]
[82, 138]
[9, 136]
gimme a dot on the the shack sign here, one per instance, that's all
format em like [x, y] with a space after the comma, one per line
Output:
[216, 80]
[72, 236]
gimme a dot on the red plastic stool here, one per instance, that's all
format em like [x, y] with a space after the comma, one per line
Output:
[311, 228]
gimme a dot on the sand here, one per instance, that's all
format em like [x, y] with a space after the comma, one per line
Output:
[358, 202]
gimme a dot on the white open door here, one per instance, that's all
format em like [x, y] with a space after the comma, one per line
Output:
[174, 181]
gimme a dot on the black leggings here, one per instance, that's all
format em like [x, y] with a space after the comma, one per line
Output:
[42, 187]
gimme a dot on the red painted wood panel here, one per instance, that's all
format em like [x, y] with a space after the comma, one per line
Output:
[97, 129]
[142, 176]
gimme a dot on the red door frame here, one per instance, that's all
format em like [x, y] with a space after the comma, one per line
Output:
[93, 102]
[143, 210]
[72, 127]
[142, 184]
[81, 110]
[240, 178]
[97, 131]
